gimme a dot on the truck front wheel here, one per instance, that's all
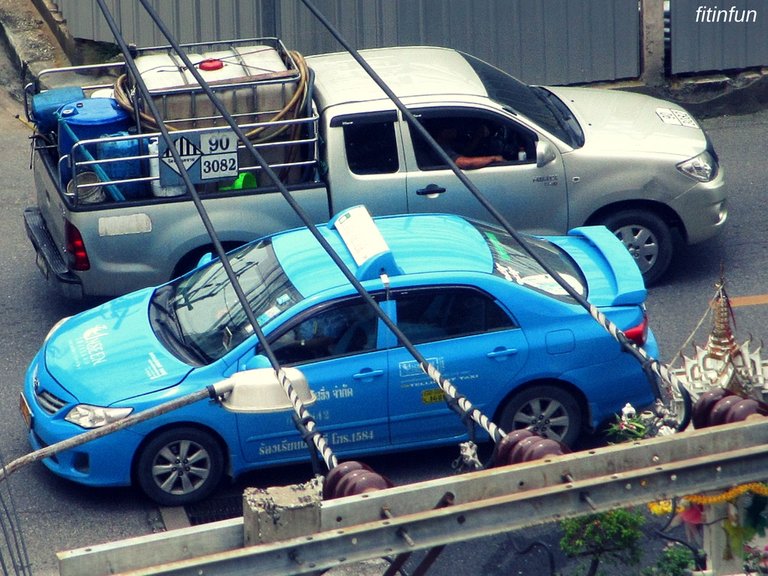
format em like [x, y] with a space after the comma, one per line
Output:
[648, 239]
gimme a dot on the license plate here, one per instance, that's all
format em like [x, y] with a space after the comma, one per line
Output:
[26, 413]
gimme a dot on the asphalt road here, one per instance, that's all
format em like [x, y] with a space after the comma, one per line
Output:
[53, 515]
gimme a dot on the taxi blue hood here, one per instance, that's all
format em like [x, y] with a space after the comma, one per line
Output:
[613, 276]
[109, 353]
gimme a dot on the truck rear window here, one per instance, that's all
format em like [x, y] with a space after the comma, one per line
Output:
[371, 146]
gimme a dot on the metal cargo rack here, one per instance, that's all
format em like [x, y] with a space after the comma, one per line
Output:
[124, 165]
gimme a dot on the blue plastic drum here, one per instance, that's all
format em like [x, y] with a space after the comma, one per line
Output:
[88, 119]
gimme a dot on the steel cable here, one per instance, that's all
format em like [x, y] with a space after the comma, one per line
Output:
[669, 378]
[319, 441]
[451, 392]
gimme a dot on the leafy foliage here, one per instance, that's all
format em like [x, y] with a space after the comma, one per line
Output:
[613, 536]
[675, 560]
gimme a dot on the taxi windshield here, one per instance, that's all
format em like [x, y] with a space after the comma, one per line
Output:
[199, 317]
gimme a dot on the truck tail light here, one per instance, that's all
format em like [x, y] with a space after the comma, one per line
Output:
[638, 334]
[77, 256]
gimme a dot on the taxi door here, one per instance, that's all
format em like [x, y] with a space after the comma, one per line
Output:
[465, 335]
[335, 347]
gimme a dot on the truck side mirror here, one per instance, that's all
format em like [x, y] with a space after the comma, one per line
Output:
[545, 153]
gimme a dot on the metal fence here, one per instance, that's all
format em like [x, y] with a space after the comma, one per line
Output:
[718, 35]
[539, 41]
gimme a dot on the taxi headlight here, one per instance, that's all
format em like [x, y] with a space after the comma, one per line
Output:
[88, 416]
[702, 167]
[55, 327]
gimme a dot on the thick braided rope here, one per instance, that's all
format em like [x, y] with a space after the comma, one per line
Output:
[301, 411]
[466, 406]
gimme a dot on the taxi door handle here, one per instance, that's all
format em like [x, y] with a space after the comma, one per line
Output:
[367, 373]
[502, 353]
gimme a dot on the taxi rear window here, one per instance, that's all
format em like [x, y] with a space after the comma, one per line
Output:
[513, 262]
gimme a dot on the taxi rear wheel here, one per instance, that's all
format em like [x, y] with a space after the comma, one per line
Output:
[180, 466]
[545, 410]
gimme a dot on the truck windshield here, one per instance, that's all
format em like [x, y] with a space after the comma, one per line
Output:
[515, 264]
[533, 102]
[199, 317]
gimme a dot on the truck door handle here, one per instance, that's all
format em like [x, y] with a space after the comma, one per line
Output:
[430, 189]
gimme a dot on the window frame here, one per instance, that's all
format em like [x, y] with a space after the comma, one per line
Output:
[388, 144]
[488, 297]
[465, 115]
[313, 312]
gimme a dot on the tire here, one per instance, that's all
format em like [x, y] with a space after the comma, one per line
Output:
[648, 239]
[548, 411]
[192, 259]
[180, 466]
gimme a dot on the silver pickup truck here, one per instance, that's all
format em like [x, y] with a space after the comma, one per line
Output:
[112, 215]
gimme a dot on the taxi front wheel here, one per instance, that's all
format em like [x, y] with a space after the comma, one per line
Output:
[180, 466]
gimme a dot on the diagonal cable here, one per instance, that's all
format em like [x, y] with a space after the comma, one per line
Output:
[669, 379]
[448, 388]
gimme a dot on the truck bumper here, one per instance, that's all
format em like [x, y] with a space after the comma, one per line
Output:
[49, 260]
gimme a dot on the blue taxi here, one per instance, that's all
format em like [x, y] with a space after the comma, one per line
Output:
[466, 294]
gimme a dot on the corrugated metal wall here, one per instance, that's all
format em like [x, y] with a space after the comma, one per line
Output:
[188, 20]
[539, 41]
[718, 36]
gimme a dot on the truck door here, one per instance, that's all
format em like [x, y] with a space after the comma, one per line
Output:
[528, 186]
[365, 164]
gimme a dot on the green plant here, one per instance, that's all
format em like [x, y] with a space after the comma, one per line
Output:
[613, 536]
[675, 560]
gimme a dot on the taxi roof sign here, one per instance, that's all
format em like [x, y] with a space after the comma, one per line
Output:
[365, 243]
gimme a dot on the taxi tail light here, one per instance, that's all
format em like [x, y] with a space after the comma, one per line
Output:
[76, 253]
[638, 334]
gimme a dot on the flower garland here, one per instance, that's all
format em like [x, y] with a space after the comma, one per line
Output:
[754, 487]
[664, 507]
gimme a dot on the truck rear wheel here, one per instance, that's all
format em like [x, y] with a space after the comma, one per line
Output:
[191, 260]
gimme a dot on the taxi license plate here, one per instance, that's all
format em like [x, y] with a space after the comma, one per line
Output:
[26, 413]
